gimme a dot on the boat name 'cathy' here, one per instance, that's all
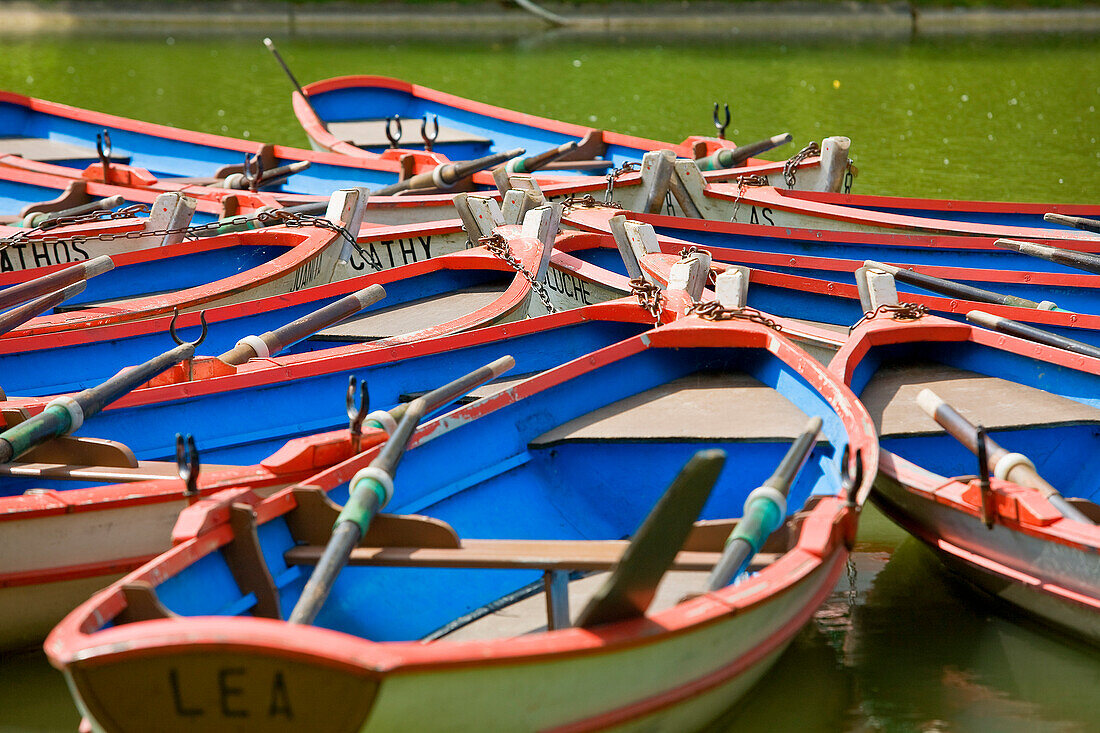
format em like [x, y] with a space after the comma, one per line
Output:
[24, 255]
[231, 689]
[406, 253]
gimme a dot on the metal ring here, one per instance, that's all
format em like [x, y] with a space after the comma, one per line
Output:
[175, 336]
[718, 124]
[393, 137]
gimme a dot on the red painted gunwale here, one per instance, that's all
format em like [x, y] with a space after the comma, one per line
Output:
[822, 544]
[882, 331]
[793, 201]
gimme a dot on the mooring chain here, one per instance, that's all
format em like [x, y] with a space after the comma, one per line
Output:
[627, 167]
[127, 212]
[743, 182]
[790, 168]
[498, 245]
[649, 297]
[712, 310]
[588, 201]
[899, 312]
[277, 216]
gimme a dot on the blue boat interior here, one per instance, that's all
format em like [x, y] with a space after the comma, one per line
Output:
[570, 462]
[1044, 411]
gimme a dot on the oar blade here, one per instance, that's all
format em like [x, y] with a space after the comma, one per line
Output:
[633, 583]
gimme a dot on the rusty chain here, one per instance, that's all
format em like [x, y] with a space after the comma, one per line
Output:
[899, 312]
[790, 168]
[743, 182]
[588, 201]
[649, 297]
[712, 310]
[276, 217]
[498, 245]
[628, 167]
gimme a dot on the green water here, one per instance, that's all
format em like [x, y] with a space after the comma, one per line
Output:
[898, 646]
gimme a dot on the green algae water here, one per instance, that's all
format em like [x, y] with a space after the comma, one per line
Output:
[899, 646]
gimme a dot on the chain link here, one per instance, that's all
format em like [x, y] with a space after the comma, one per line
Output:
[743, 182]
[628, 167]
[712, 310]
[899, 312]
[649, 297]
[498, 245]
[790, 168]
[276, 217]
[588, 201]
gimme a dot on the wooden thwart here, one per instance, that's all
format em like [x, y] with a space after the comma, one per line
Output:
[414, 316]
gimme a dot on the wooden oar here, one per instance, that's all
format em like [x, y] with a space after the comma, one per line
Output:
[1058, 255]
[956, 289]
[765, 510]
[1026, 331]
[372, 487]
[79, 272]
[18, 316]
[532, 163]
[273, 342]
[1013, 467]
[241, 182]
[734, 157]
[65, 414]
[297, 86]
[633, 583]
[38, 218]
[448, 174]
[1077, 222]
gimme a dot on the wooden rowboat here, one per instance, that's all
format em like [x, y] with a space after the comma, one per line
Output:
[1011, 537]
[516, 471]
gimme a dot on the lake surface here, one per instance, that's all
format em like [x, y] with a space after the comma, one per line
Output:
[899, 646]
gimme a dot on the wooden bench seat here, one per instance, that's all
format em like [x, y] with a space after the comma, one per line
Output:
[51, 151]
[413, 316]
[372, 134]
[891, 400]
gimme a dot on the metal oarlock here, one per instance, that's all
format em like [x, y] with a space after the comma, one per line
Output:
[175, 336]
[187, 466]
[393, 134]
[983, 480]
[357, 412]
[429, 133]
[718, 124]
[103, 149]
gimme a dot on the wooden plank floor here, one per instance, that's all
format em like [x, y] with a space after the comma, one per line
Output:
[891, 399]
[412, 316]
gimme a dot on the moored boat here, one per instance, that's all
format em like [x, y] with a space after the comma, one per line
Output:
[1010, 533]
[514, 470]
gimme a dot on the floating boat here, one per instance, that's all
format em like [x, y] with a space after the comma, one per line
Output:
[152, 645]
[1011, 534]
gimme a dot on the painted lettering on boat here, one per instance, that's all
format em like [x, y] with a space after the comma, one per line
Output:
[305, 274]
[395, 252]
[21, 256]
[567, 285]
[231, 682]
[766, 213]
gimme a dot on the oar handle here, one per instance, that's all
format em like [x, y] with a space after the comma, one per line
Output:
[532, 163]
[1026, 331]
[448, 174]
[18, 316]
[733, 157]
[298, 87]
[1058, 255]
[765, 509]
[23, 292]
[1077, 222]
[272, 342]
[954, 289]
[1013, 467]
[65, 414]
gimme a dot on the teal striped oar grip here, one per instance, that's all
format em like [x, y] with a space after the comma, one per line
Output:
[532, 163]
[733, 157]
[68, 412]
[765, 509]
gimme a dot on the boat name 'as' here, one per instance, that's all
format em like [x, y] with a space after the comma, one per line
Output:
[234, 685]
[407, 252]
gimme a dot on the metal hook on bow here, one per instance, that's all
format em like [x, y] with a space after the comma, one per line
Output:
[429, 137]
[718, 124]
[357, 412]
[252, 171]
[175, 336]
[103, 148]
[187, 466]
[391, 135]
